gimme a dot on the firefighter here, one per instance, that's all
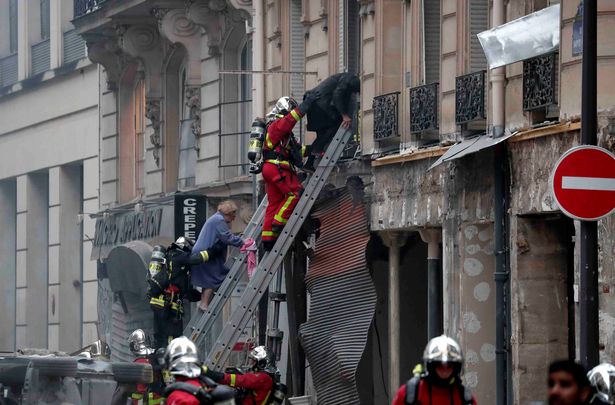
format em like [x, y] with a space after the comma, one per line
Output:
[140, 346]
[190, 386]
[259, 384]
[169, 285]
[602, 380]
[441, 383]
[281, 154]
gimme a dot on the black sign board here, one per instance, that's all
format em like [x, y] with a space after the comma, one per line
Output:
[190, 215]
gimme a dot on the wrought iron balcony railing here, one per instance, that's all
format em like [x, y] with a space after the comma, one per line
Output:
[424, 108]
[386, 113]
[470, 97]
[83, 7]
[539, 82]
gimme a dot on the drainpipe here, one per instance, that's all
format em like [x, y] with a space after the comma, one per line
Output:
[501, 198]
[433, 237]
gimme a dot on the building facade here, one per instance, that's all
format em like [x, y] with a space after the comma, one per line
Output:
[466, 238]
[48, 178]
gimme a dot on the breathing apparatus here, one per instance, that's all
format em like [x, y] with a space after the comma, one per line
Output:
[255, 147]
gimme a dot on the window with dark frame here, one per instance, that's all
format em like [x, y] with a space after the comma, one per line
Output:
[45, 10]
[13, 26]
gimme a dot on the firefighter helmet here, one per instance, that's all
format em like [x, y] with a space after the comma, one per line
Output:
[283, 106]
[181, 358]
[184, 243]
[602, 379]
[262, 356]
[139, 343]
[442, 350]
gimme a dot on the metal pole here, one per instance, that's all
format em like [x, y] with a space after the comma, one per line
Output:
[589, 230]
[394, 363]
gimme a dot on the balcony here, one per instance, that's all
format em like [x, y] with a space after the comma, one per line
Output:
[470, 97]
[424, 108]
[539, 82]
[386, 115]
[83, 7]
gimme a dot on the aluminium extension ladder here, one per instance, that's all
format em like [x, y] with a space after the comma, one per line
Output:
[220, 350]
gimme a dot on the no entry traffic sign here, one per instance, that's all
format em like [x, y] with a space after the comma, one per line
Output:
[583, 183]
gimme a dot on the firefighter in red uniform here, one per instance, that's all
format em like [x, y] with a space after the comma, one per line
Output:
[281, 154]
[257, 385]
[190, 388]
[441, 384]
[138, 343]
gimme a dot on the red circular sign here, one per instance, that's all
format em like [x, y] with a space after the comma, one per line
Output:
[583, 182]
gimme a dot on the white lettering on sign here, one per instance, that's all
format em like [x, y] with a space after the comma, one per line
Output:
[189, 211]
[588, 183]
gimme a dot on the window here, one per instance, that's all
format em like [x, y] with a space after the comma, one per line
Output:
[44, 5]
[479, 22]
[349, 36]
[13, 25]
[139, 157]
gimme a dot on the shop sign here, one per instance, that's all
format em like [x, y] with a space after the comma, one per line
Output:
[118, 229]
[190, 215]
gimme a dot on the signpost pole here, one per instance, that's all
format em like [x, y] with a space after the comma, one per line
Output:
[588, 289]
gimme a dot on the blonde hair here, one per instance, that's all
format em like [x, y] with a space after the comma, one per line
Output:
[227, 207]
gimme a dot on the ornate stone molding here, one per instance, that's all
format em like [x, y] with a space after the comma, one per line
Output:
[144, 42]
[152, 112]
[245, 5]
[178, 28]
[212, 17]
[105, 51]
[193, 102]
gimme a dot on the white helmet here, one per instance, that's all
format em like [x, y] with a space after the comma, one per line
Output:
[139, 343]
[283, 106]
[262, 357]
[181, 358]
[184, 243]
[602, 379]
[443, 349]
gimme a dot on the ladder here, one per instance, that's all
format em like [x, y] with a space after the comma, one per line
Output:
[220, 350]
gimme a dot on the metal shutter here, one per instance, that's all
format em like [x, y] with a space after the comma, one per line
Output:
[479, 22]
[431, 29]
[40, 57]
[74, 46]
[8, 70]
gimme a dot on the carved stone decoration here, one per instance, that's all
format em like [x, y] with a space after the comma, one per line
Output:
[152, 112]
[105, 51]
[245, 5]
[144, 42]
[213, 21]
[178, 28]
[193, 102]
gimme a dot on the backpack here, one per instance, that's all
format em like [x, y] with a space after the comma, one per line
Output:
[412, 388]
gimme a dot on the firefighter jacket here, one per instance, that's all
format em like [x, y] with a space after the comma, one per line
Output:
[425, 392]
[143, 395]
[179, 397]
[168, 287]
[258, 386]
[280, 147]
